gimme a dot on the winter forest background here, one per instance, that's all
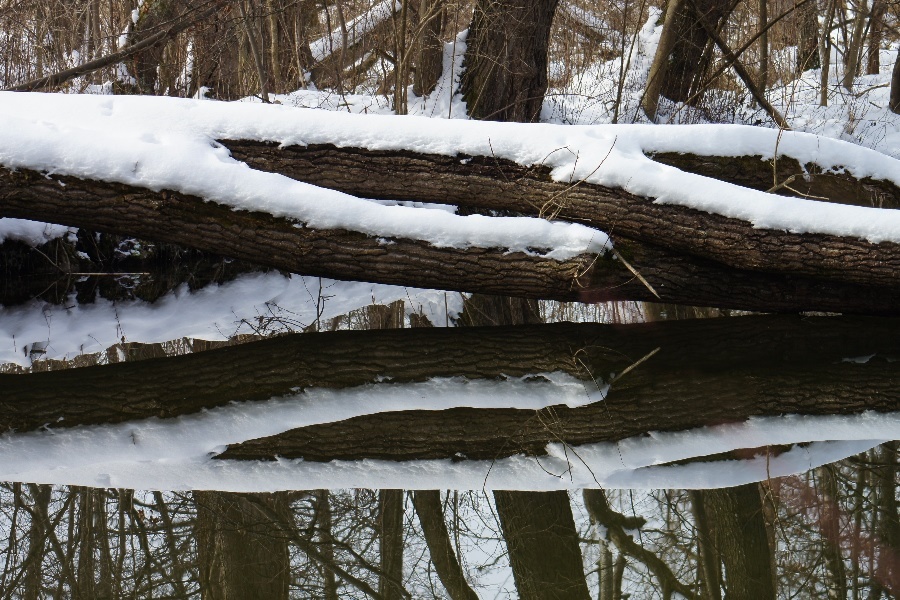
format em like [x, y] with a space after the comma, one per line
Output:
[177, 422]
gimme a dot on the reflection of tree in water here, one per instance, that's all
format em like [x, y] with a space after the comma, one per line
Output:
[830, 532]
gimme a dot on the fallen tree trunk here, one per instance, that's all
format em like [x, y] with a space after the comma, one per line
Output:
[496, 184]
[752, 366]
[280, 243]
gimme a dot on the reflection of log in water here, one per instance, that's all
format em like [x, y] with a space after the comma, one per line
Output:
[704, 373]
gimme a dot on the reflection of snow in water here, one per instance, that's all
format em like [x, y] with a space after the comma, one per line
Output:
[41, 330]
[177, 454]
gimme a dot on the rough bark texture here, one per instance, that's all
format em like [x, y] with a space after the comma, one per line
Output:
[241, 553]
[506, 59]
[543, 546]
[493, 184]
[754, 365]
[390, 540]
[741, 541]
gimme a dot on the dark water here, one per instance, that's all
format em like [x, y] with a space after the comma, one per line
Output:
[586, 423]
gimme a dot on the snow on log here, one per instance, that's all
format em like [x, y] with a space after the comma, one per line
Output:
[491, 183]
[292, 399]
[153, 167]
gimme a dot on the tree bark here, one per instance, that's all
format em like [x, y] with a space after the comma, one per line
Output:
[808, 43]
[689, 59]
[876, 27]
[325, 538]
[241, 554]
[679, 279]
[543, 545]
[741, 541]
[754, 365]
[894, 102]
[657, 75]
[390, 539]
[492, 184]
[506, 59]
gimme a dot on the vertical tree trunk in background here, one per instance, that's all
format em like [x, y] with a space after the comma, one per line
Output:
[304, 27]
[216, 65]
[894, 102]
[254, 41]
[691, 56]
[657, 74]
[273, 10]
[741, 541]
[876, 28]
[429, 46]
[854, 47]
[506, 59]
[542, 543]
[390, 537]
[431, 516]
[241, 553]
[37, 539]
[830, 519]
[808, 42]
[763, 80]
[144, 65]
[887, 572]
[84, 588]
[326, 541]
[711, 586]
[825, 51]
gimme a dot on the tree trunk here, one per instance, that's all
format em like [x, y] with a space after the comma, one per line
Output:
[708, 556]
[836, 581]
[326, 541]
[276, 242]
[494, 184]
[429, 46]
[390, 539]
[742, 542]
[431, 516]
[876, 26]
[690, 57]
[894, 102]
[855, 45]
[808, 43]
[241, 553]
[657, 75]
[763, 80]
[754, 365]
[543, 545]
[505, 74]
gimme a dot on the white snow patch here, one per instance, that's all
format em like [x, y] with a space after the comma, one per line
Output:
[257, 302]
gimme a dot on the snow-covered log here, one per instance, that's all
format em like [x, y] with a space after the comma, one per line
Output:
[156, 168]
[340, 254]
[453, 386]
[489, 183]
